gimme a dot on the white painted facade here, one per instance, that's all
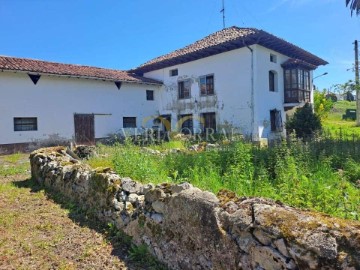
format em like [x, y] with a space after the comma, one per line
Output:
[54, 100]
[242, 100]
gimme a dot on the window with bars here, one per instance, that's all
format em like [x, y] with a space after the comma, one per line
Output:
[207, 85]
[184, 88]
[129, 122]
[25, 123]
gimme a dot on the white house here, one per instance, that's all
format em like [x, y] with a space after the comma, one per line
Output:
[42, 101]
[237, 79]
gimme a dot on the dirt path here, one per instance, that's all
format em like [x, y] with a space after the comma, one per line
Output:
[37, 233]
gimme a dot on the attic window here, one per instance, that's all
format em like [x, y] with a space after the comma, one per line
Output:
[273, 58]
[174, 72]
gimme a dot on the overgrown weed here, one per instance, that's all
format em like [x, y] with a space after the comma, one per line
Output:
[320, 175]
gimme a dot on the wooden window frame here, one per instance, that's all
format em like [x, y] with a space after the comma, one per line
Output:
[208, 121]
[297, 86]
[184, 93]
[207, 85]
[297, 79]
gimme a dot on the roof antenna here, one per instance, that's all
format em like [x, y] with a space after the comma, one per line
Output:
[223, 12]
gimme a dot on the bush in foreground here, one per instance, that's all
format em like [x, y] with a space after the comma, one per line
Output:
[305, 123]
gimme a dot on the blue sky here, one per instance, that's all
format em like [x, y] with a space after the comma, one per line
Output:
[123, 34]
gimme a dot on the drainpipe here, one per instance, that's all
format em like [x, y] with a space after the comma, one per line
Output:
[252, 99]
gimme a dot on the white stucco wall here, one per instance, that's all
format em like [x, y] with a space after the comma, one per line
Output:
[54, 100]
[266, 100]
[232, 81]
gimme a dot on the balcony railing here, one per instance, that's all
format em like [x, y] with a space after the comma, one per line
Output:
[297, 96]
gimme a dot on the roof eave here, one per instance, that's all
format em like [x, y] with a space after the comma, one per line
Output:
[81, 77]
[193, 56]
[262, 38]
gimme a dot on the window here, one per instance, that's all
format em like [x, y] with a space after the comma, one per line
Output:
[25, 123]
[173, 72]
[149, 95]
[272, 81]
[273, 58]
[208, 122]
[184, 89]
[297, 85]
[186, 121]
[129, 122]
[297, 78]
[276, 121]
[207, 85]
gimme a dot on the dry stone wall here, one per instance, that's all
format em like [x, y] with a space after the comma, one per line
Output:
[188, 228]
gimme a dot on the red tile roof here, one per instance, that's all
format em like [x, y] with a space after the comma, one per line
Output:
[290, 63]
[51, 68]
[225, 40]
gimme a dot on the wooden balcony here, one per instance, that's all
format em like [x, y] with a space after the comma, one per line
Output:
[297, 96]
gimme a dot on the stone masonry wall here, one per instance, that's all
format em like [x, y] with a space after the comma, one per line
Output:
[188, 228]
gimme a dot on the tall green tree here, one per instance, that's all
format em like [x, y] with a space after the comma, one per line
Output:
[354, 6]
[347, 90]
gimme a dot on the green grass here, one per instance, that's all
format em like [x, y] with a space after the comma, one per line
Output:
[319, 176]
[14, 164]
[169, 145]
[337, 127]
[14, 158]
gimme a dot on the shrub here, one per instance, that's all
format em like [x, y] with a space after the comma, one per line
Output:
[323, 103]
[351, 170]
[304, 122]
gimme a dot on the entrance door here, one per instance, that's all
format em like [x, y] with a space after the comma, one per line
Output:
[186, 123]
[84, 129]
[209, 124]
[166, 123]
